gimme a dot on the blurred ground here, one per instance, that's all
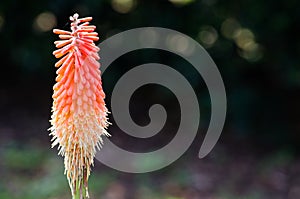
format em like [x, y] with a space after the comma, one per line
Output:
[33, 171]
[235, 169]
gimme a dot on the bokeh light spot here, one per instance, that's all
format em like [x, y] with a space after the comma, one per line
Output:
[229, 27]
[208, 36]
[148, 37]
[45, 21]
[243, 37]
[252, 52]
[181, 2]
[180, 44]
[123, 6]
[1, 21]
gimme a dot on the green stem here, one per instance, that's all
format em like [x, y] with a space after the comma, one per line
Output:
[80, 191]
[77, 191]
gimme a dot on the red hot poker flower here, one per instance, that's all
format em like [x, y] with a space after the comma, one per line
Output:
[79, 116]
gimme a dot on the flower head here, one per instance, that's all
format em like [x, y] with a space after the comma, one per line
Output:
[79, 116]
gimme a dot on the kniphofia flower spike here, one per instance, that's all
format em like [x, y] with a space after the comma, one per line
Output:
[79, 117]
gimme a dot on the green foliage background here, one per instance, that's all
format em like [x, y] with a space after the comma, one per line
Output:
[263, 97]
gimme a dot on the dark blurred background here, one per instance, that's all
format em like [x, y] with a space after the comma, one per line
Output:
[256, 47]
